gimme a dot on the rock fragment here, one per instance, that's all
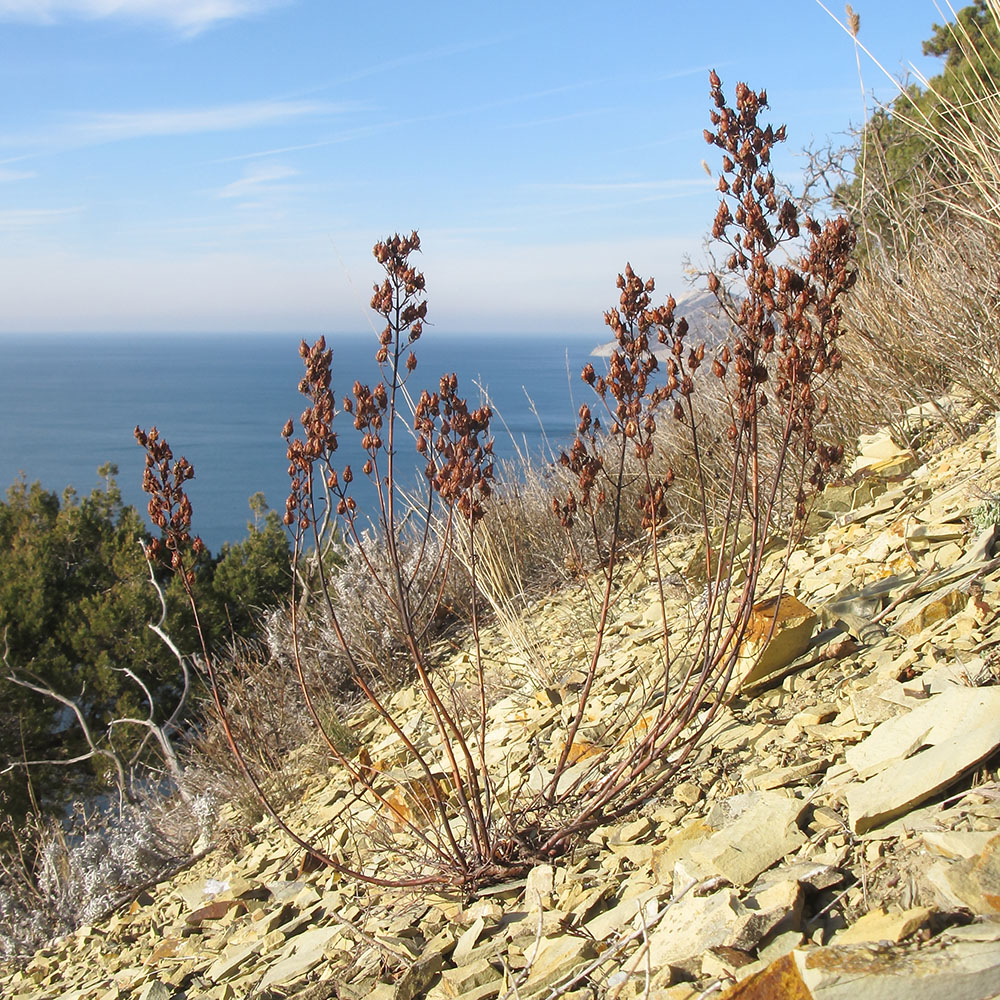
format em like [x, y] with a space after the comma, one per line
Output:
[879, 925]
[778, 631]
[960, 727]
[966, 971]
[763, 831]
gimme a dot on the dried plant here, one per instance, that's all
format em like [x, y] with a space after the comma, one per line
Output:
[781, 352]
[60, 875]
[447, 812]
[409, 557]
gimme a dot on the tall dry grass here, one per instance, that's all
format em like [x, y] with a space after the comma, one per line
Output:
[923, 317]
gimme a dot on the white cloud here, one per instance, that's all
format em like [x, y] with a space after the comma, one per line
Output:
[674, 184]
[256, 180]
[187, 16]
[29, 218]
[114, 126]
[6, 176]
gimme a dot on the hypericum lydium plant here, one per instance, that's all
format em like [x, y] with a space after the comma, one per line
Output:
[410, 555]
[169, 508]
[780, 351]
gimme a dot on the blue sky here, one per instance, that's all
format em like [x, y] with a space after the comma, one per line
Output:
[189, 165]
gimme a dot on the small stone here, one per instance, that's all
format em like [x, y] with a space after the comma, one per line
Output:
[415, 980]
[231, 961]
[675, 846]
[778, 945]
[215, 910]
[555, 958]
[933, 608]
[539, 888]
[876, 447]
[816, 715]
[972, 882]
[460, 981]
[764, 831]
[723, 963]
[687, 793]
[781, 777]
[813, 875]
[772, 909]
[468, 941]
[272, 941]
[307, 950]
[306, 896]
[778, 631]
[824, 818]
[878, 925]
[283, 891]
[630, 832]
[167, 948]
[490, 911]
[238, 887]
[626, 914]
[693, 925]
[873, 851]
[485, 991]
[156, 991]
[779, 981]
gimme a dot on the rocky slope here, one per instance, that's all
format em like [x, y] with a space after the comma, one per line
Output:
[838, 834]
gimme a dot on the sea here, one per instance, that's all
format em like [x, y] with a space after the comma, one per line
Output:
[69, 403]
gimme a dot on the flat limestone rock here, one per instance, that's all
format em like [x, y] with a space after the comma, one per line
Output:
[306, 952]
[156, 991]
[876, 447]
[414, 982]
[694, 924]
[936, 720]
[931, 609]
[870, 707]
[966, 971]
[232, 960]
[764, 832]
[779, 777]
[808, 874]
[779, 981]
[972, 882]
[675, 845]
[556, 958]
[774, 909]
[468, 941]
[957, 844]
[464, 979]
[900, 464]
[960, 727]
[625, 915]
[539, 888]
